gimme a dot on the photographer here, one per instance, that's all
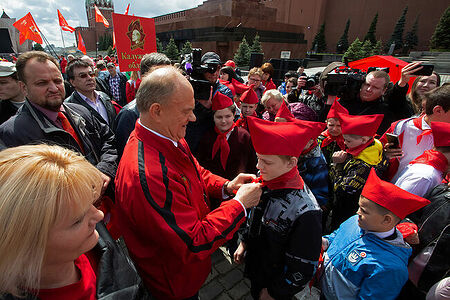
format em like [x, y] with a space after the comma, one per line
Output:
[205, 81]
[309, 93]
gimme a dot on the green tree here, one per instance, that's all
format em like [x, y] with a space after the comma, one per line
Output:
[342, 44]
[38, 47]
[110, 51]
[441, 36]
[411, 39]
[105, 41]
[378, 48]
[367, 49]
[319, 44]
[187, 48]
[159, 46]
[256, 45]
[370, 35]
[172, 50]
[242, 55]
[397, 35]
[354, 52]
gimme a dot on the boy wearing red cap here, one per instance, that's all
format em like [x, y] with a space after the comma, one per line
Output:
[351, 167]
[366, 258]
[429, 169]
[283, 239]
[249, 102]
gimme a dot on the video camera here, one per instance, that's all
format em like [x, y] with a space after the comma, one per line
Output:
[195, 70]
[311, 81]
[345, 82]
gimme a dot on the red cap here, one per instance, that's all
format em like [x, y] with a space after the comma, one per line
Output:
[335, 109]
[239, 87]
[284, 112]
[364, 125]
[400, 202]
[220, 101]
[441, 133]
[272, 138]
[230, 63]
[249, 96]
[314, 128]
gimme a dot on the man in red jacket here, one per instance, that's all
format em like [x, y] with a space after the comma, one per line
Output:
[162, 193]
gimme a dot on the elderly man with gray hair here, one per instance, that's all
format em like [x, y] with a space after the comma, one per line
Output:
[163, 193]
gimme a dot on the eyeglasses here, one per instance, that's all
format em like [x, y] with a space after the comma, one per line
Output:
[212, 68]
[253, 79]
[85, 75]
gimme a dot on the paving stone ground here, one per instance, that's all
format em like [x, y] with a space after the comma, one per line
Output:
[226, 281]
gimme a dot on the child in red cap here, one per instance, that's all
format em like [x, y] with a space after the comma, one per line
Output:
[284, 235]
[366, 258]
[351, 167]
[249, 102]
[429, 169]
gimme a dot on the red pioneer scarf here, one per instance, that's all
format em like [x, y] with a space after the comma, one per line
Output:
[418, 123]
[289, 180]
[222, 144]
[432, 158]
[329, 139]
[355, 151]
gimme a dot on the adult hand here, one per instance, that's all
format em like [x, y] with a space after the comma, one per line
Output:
[249, 194]
[106, 181]
[239, 254]
[324, 244]
[207, 103]
[317, 91]
[407, 72]
[339, 156]
[301, 82]
[238, 181]
[264, 295]
[392, 152]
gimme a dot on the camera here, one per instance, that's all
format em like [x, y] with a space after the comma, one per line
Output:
[311, 81]
[196, 71]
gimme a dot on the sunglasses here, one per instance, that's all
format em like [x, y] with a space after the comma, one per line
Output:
[85, 75]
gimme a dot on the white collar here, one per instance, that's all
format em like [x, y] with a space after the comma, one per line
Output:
[385, 234]
[158, 134]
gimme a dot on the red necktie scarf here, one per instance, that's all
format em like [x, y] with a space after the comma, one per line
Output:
[355, 151]
[289, 180]
[329, 139]
[418, 123]
[68, 128]
[432, 158]
[222, 144]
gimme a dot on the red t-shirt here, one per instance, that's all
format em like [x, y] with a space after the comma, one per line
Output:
[83, 289]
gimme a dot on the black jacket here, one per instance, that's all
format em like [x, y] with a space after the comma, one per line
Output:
[283, 242]
[7, 110]
[30, 126]
[124, 125]
[110, 110]
[117, 278]
[122, 88]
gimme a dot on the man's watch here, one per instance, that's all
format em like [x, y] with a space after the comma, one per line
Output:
[225, 189]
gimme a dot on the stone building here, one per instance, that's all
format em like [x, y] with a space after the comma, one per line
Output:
[9, 37]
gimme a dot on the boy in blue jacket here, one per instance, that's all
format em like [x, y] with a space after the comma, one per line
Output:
[366, 258]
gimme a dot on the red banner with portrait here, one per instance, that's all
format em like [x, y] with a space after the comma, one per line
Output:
[134, 37]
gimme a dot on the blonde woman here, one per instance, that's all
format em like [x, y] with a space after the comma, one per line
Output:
[47, 224]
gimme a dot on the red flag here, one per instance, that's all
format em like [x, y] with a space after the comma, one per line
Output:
[100, 18]
[28, 29]
[128, 7]
[63, 23]
[81, 45]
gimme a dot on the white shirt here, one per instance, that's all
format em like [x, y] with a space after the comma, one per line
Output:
[419, 179]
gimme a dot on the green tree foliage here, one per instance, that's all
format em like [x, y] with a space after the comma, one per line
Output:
[411, 39]
[110, 51]
[354, 52]
[397, 35]
[104, 42]
[378, 48]
[38, 47]
[367, 49]
[187, 48]
[441, 36]
[342, 44]
[159, 46]
[319, 44]
[256, 45]
[172, 50]
[242, 55]
[370, 35]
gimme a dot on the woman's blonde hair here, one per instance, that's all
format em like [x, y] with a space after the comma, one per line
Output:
[271, 94]
[255, 71]
[39, 186]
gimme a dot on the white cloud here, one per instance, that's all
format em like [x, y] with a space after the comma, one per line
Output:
[45, 15]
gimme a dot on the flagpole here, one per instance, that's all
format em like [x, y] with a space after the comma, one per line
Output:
[51, 49]
[62, 37]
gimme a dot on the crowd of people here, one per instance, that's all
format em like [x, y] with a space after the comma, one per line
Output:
[121, 185]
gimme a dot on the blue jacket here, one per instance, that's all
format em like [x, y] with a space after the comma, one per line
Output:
[360, 265]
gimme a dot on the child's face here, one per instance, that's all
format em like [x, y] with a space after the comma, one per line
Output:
[334, 127]
[223, 119]
[248, 109]
[352, 141]
[273, 166]
[369, 217]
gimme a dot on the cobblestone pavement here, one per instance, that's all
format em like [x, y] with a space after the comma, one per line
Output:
[226, 281]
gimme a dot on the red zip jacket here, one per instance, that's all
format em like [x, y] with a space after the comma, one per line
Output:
[162, 197]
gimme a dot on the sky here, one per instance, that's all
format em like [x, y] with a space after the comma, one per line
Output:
[45, 15]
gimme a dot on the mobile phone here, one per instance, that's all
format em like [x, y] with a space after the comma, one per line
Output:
[427, 70]
[393, 139]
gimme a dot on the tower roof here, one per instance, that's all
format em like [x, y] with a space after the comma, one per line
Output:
[4, 15]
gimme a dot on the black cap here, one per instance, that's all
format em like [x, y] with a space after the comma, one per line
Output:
[211, 58]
